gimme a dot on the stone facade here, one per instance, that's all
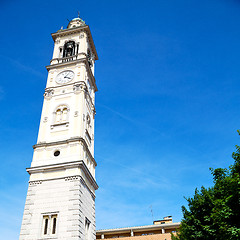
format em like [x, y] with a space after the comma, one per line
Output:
[60, 202]
[69, 198]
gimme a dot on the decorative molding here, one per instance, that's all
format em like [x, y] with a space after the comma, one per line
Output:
[48, 93]
[59, 124]
[72, 178]
[65, 85]
[79, 87]
[59, 166]
[32, 183]
[71, 140]
[57, 41]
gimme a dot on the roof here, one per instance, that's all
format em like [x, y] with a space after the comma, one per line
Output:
[140, 228]
[76, 19]
[162, 236]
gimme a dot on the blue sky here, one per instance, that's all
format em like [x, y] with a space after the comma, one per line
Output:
[167, 107]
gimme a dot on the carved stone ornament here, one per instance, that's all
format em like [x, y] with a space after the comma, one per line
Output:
[48, 93]
[57, 41]
[73, 178]
[81, 35]
[35, 183]
[78, 87]
[76, 114]
[45, 119]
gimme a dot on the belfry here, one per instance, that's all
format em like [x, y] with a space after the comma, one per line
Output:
[60, 201]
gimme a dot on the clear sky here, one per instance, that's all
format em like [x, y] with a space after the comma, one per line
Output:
[167, 108]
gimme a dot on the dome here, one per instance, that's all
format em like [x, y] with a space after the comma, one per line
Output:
[76, 22]
[76, 19]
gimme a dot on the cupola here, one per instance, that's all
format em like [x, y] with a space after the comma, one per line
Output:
[76, 22]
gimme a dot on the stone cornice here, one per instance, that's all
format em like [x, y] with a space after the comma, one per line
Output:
[71, 140]
[49, 92]
[60, 166]
[70, 31]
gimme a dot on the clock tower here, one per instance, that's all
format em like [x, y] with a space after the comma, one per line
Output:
[60, 202]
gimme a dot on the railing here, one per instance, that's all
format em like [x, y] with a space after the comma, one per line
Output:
[67, 59]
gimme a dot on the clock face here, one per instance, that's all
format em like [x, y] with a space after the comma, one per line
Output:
[65, 77]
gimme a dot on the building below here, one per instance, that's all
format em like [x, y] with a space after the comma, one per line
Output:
[160, 230]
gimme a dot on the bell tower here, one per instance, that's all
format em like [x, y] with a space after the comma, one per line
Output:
[60, 202]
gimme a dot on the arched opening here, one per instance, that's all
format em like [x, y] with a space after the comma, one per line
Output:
[69, 49]
[64, 114]
[89, 57]
[58, 115]
[61, 115]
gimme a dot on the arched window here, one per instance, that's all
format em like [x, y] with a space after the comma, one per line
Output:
[64, 114]
[49, 225]
[89, 57]
[61, 115]
[58, 116]
[69, 49]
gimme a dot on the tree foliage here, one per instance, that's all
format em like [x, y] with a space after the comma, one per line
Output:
[214, 213]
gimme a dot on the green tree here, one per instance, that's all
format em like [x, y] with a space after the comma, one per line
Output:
[214, 213]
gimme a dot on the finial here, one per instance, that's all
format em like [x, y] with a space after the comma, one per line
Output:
[78, 14]
[61, 27]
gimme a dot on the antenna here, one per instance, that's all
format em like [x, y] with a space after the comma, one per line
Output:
[151, 212]
[78, 14]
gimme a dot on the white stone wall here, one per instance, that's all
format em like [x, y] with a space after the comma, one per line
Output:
[70, 198]
[52, 188]
[80, 103]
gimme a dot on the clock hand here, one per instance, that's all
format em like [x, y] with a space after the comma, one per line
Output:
[66, 75]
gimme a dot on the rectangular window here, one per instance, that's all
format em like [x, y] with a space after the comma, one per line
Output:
[49, 226]
[87, 229]
[45, 226]
[54, 224]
